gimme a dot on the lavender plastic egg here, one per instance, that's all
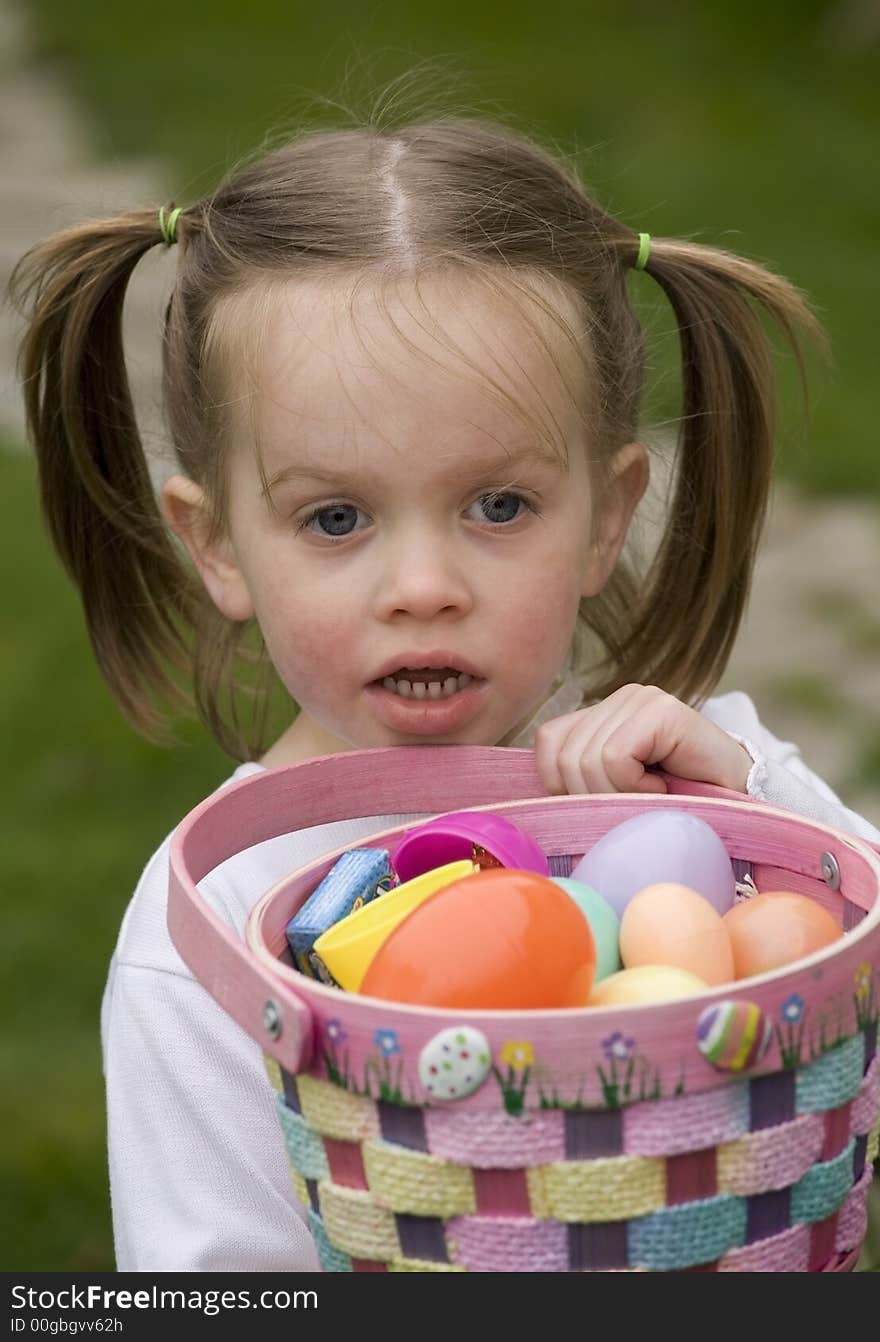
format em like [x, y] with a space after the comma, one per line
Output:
[658, 846]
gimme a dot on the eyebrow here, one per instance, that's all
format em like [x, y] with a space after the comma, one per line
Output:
[533, 455]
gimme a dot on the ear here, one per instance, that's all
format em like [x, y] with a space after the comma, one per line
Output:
[185, 509]
[614, 512]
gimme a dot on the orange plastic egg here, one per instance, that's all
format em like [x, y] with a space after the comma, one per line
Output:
[670, 924]
[501, 938]
[775, 928]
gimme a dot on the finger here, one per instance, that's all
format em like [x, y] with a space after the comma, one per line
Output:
[662, 731]
[581, 760]
[549, 739]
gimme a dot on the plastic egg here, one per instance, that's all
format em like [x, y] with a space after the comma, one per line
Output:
[670, 924]
[658, 845]
[485, 839]
[775, 928]
[604, 924]
[646, 983]
[500, 938]
[733, 1035]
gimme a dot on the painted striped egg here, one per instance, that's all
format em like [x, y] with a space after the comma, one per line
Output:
[733, 1036]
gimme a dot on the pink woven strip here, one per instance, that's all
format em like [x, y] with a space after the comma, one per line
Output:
[852, 1218]
[771, 1158]
[507, 1244]
[687, 1122]
[822, 1238]
[346, 1163]
[786, 1252]
[504, 1192]
[837, 1130]
[496, 1140]
[866, 1105]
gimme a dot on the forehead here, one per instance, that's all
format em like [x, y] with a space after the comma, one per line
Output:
[453, 353]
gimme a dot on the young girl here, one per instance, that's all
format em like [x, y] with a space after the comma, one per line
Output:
[402, 376]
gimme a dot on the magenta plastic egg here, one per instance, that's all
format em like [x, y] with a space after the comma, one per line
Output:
[486, 840]
[657, 847]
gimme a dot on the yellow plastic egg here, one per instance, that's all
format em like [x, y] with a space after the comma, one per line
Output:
[670, 924]
[646, 983]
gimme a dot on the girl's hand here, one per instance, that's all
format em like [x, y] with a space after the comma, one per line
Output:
[610, 746]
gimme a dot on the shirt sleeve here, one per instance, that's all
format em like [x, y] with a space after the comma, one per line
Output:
[198, 1173]
[778, 774]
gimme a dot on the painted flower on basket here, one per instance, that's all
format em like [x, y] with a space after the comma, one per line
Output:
[617, 1046]
[387, 1042]
[518, 1054]
[336, 1031]
[863, 980]
[792, 1009]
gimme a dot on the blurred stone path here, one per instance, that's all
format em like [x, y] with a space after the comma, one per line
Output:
[809, 652]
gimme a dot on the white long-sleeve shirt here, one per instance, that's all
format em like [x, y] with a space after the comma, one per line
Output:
[198, 1173]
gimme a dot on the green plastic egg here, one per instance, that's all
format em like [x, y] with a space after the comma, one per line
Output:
[604, 924]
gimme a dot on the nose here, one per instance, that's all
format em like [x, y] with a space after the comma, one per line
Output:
[423, 575]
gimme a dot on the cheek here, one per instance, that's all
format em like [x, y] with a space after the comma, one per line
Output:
[535, 619]
[309, 638]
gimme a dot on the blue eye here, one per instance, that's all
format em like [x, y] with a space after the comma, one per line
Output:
[336, 520]
[502, 507]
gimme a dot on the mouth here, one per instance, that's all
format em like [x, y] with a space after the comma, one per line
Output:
[426, 682]
[427, 700]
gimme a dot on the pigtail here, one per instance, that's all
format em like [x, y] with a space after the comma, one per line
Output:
[704, 563]
[96, 493]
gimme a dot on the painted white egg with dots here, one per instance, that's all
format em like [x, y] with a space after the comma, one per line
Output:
[454, 1063]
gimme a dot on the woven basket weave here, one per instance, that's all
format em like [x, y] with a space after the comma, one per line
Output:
[595, 1139]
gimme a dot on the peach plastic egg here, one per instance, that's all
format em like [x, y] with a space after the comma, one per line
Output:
[775, 928]
[670, 924]
[646, 983]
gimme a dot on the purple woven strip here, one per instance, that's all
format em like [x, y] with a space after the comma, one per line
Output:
[597, 1248]
[494, 1140]
[860, 1155]
[771, 1099]
[866, 1105]
[291, 1094]
[767, 1214]
[786, 1252]
[402, 1124]
[872, 1034]
[422, 1237]
[593, 1132]
[687, 1122]
[852, 1219]
[507, 1244]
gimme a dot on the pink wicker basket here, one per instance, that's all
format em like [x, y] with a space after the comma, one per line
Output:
[734, 1131]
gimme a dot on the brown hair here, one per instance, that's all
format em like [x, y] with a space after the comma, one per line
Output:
[450, 191]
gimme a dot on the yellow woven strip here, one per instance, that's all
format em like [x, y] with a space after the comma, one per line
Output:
[873, 1146]
[417, 1183]
[334, 1112]
[422, 1265]
[273, 1072]
[614, 1188]
[299, 1185]
[355, 1223]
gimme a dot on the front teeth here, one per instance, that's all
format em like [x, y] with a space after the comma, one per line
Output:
[434, 689]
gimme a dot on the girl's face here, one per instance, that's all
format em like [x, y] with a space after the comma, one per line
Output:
[417, 563]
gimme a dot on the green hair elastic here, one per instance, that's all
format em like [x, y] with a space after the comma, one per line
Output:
[644, 251]
[168, 225]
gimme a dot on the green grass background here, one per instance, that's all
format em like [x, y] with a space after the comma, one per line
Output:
[754, 126]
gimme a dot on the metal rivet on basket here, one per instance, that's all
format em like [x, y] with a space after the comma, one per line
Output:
[830, 871]
[272, 1020]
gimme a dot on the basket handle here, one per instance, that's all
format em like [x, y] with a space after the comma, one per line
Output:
[316, 792]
